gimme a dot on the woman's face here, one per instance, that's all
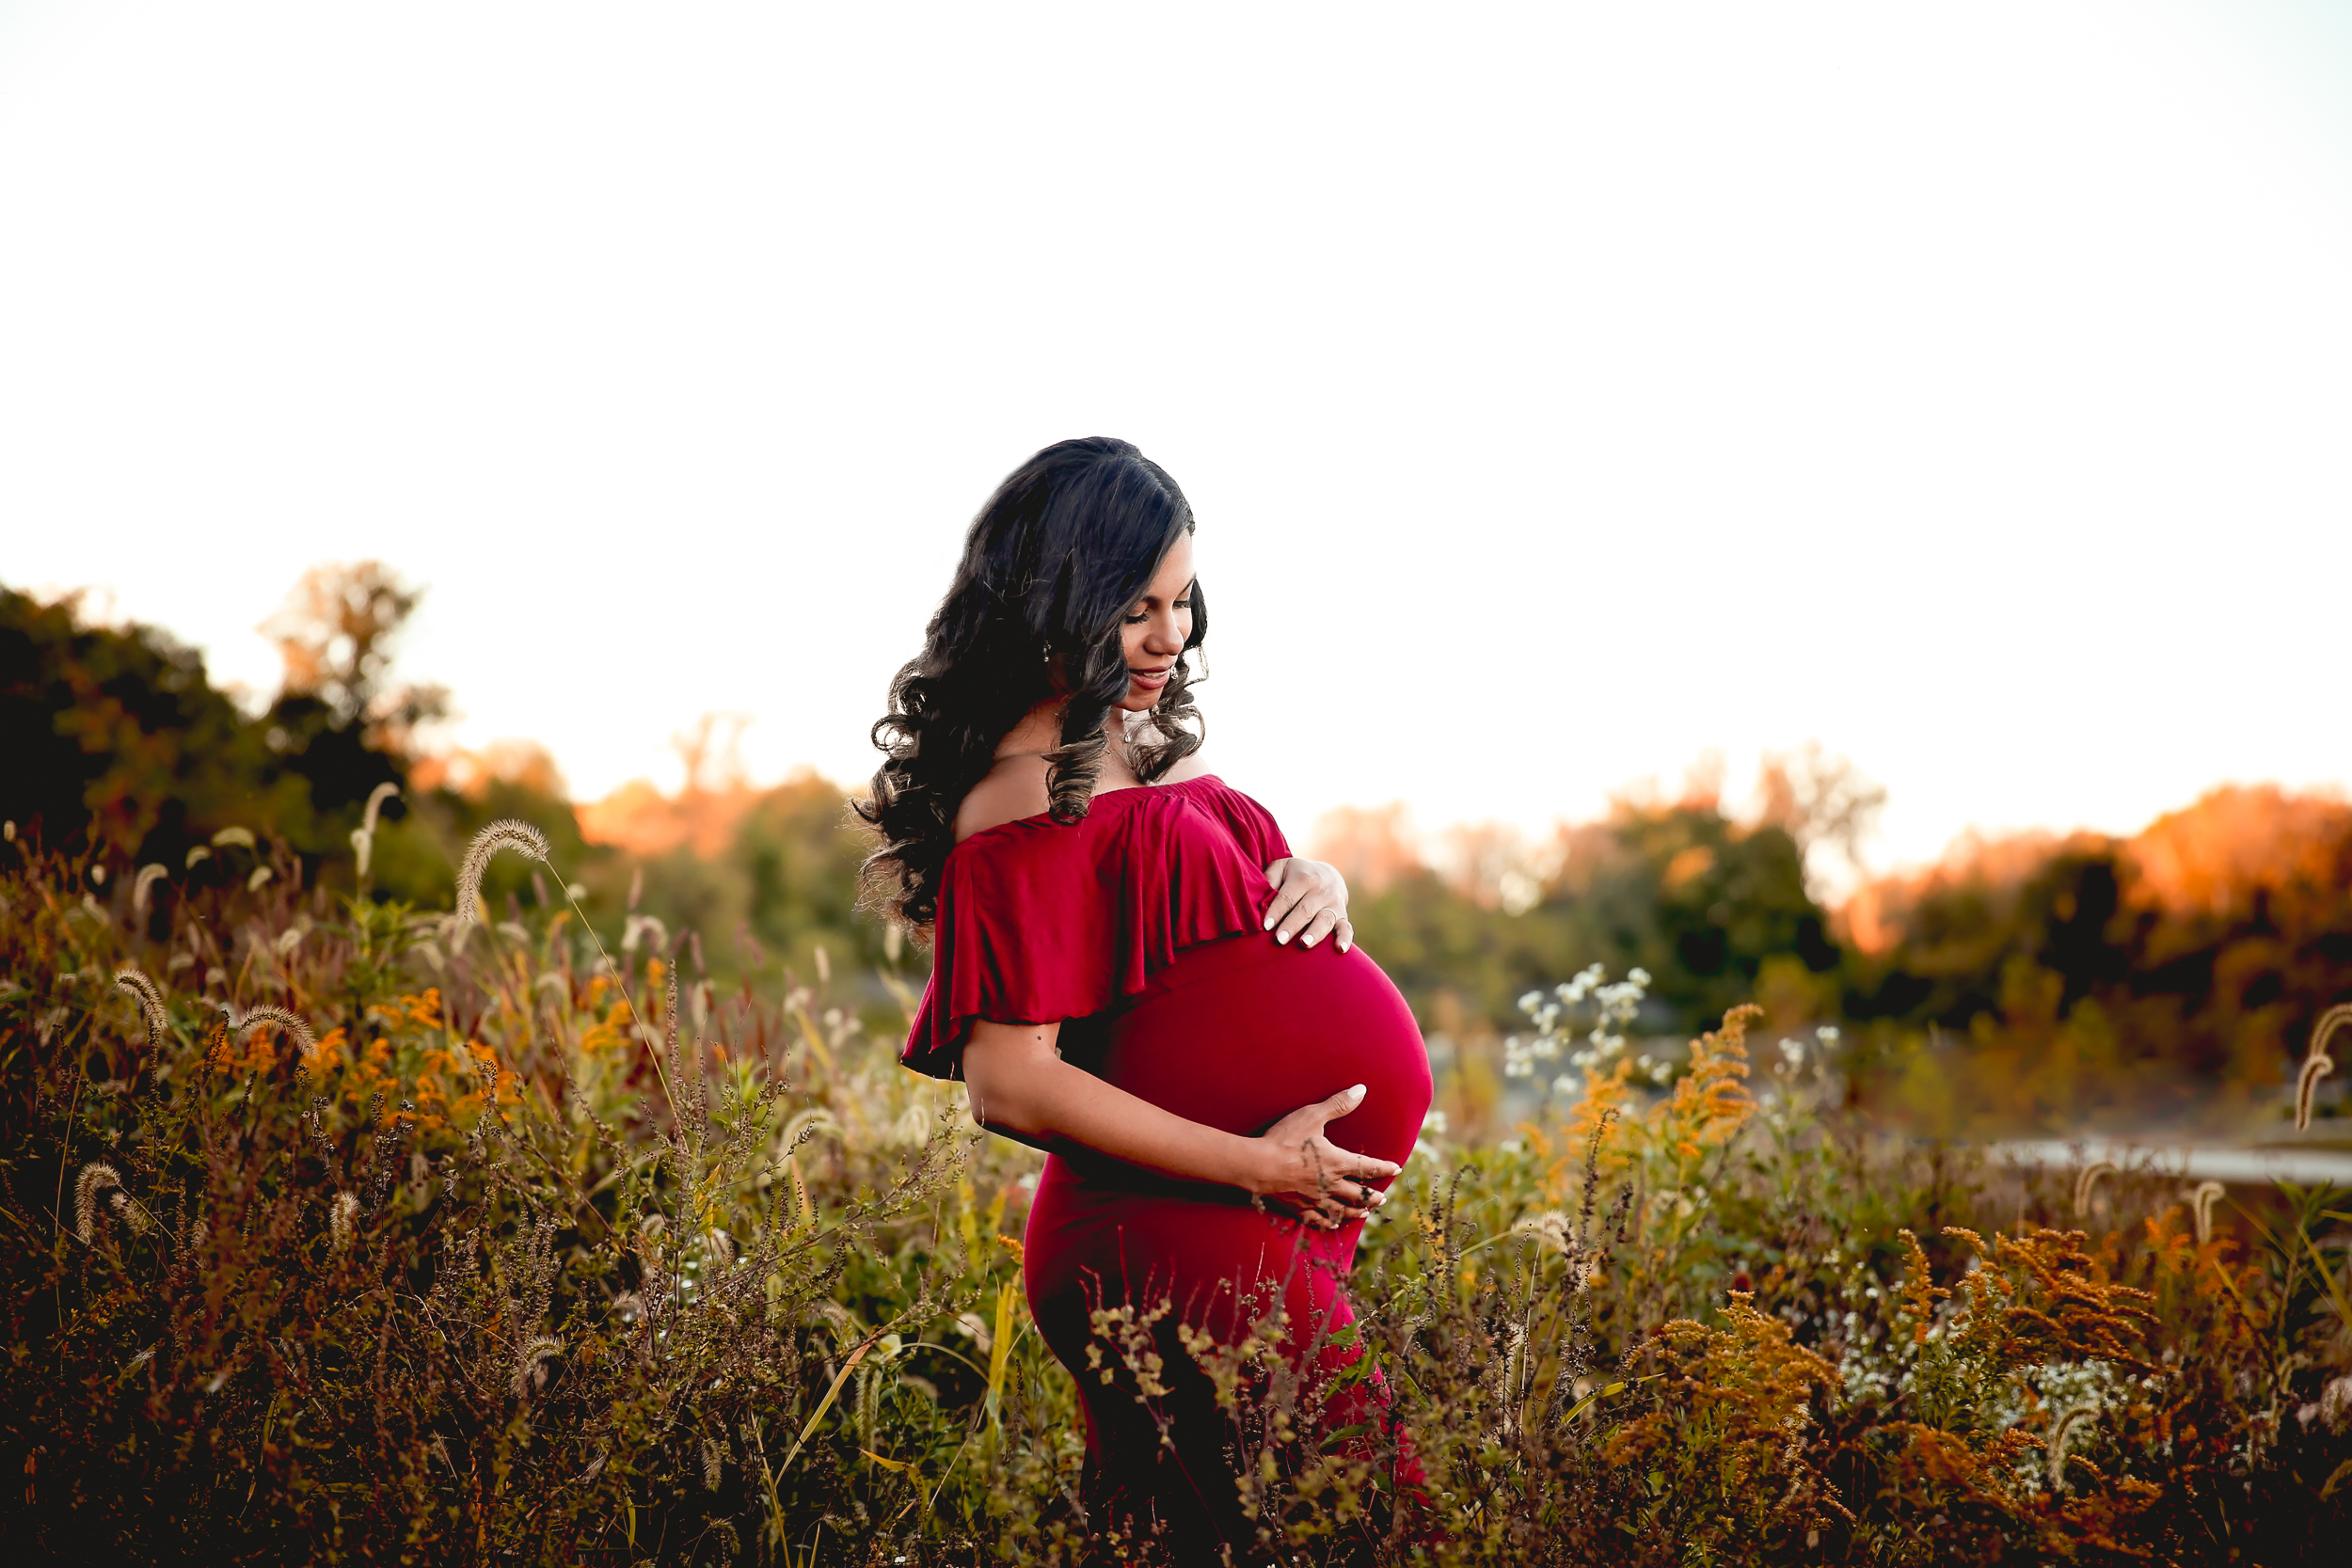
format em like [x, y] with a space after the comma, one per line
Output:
[1157, 626]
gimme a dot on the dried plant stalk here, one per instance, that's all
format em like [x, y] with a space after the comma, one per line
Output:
[147, 877]
[2059, 1435]
[2318, 1064]
[253, 1018]
[2086, 1185]
[132, 979]
[2202, 1201]
[363, 836]
[2306, 1085]
[96, 1180]
[507, 833]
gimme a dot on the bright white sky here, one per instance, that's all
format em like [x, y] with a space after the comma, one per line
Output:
[1563, 390]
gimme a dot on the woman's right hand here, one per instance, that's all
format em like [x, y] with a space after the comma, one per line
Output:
[1309, 1175]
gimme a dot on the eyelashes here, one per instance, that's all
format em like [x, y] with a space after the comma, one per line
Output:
[1136, 619]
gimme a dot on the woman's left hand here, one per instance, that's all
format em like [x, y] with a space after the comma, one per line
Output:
[1309, 903]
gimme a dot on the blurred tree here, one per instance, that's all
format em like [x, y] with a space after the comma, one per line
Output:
[1700, 900]
[338, 721]
[115, 736]
[336, 633]
[2132, 974]
[1824, 803]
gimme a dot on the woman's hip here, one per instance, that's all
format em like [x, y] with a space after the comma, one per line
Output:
[1217, 1265]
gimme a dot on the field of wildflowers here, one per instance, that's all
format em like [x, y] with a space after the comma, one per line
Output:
[342, 1229]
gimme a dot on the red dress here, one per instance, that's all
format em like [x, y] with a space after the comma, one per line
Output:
[1138, 931]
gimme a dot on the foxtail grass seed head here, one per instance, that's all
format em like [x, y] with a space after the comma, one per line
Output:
[363, 836]
[198, 855]
[2086, 1185]
[97, 1181]
[1550, 1229]
[528, 1372]
[508, 833]
[293, 1026]
[146, 880]
[342, 1220]
[377, 797]
[227, 836]
[2058, 1435]
[2328, 1024]
[2306, 1085]
[2202, 1200]
[132, 979]
[2335, 1402]
[2318, 1064]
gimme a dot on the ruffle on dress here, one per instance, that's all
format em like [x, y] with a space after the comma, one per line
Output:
[1040, 921]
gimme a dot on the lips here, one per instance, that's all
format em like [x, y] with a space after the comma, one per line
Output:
[1150, 680]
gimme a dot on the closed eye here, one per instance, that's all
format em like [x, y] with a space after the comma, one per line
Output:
[1136, 619]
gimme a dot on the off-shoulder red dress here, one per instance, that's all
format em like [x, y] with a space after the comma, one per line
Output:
[1138, 931]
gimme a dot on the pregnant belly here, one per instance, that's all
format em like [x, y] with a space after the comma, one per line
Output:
[1241, 1032]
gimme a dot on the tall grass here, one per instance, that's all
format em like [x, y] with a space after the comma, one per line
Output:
[342, 1230]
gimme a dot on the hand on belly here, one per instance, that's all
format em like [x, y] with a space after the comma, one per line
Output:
[1309, 1175]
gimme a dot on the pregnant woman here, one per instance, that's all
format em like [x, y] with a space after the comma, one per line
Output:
[1131, 970]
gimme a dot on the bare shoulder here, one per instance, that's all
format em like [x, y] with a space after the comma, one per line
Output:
[1014, 788]
[1186, 767]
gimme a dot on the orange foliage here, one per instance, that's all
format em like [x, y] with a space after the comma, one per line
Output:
[641, 820]
[1873, 920]
[472, 773]
[2207, 858]
[2210, 858]
[703, 816]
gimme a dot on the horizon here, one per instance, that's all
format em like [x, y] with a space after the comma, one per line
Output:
[707, 759]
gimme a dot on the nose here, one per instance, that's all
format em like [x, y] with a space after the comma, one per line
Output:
[1160, 635]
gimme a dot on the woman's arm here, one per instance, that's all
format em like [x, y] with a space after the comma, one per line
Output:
[1018, 1086]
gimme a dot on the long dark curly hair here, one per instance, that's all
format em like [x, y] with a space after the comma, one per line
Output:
[1053, 565]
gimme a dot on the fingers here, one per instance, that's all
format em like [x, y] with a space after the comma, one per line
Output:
[1338, 1207]
[1284, 909]
[1347, 934]
[1304, 1126]
[1325, 922]
[1341, 1203]
[1343, 1102]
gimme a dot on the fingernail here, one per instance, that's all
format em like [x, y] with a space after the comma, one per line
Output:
[1310, 942]
[1281, 936]
[1358, 1091]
